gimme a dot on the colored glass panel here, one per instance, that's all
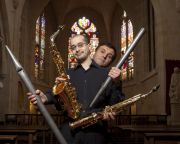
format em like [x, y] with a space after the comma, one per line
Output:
[84, 23]
[76, 29]
[40, 47]
[126, 40]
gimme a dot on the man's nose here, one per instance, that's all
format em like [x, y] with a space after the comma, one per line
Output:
[105, 56]
[77, 49]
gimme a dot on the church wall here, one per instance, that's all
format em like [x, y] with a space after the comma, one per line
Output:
[30, 17]
[143, 79]
[178, 6]
[116, 29]
[13, 10]
[167, 47]
[105, 9]
[167, 33]
[19, 36]
[3, 68]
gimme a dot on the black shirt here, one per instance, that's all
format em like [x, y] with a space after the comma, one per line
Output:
[87, 83]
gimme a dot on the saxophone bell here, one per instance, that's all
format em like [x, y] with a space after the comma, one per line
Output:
[59, 88]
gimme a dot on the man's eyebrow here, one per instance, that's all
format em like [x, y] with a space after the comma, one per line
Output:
[102, 48]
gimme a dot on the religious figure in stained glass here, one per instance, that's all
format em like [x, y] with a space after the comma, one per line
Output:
[126, 39]
[39, 47]
[83, 26]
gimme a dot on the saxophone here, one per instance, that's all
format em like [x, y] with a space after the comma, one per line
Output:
[116, 108]
[64, 91]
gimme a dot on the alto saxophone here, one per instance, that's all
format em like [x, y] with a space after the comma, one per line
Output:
[116, 108]
[64, 91]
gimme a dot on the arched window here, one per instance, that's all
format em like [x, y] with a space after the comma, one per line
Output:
[126, 40]
[39, 47]
[83, 26]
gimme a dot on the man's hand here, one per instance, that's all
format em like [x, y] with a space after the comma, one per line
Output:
[59, 80]
[33, 98]
[108, 114]
[114, 73]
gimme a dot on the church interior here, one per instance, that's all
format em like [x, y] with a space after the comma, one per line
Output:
[26, 27]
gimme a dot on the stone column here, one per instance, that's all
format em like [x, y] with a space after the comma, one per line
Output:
[1, 84]
[178, 5]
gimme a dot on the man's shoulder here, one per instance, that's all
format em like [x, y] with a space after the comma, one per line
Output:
[105, 69]
[70, 70]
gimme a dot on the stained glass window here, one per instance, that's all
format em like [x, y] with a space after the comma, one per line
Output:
[126, 40]
[83, 26]
[39, 47]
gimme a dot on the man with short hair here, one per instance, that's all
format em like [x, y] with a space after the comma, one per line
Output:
[105, 54]
[87, 78]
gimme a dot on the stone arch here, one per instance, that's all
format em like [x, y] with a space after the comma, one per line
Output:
[31, 11]
[92, 14]
[72, 17]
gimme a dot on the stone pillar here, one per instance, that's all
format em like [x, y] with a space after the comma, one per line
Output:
[178, 5]
[1, 84]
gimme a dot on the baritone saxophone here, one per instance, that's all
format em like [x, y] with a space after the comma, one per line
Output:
[116, 108]
[64, 91]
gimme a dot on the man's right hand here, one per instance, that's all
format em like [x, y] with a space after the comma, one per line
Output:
[39, 93]
[59, 80]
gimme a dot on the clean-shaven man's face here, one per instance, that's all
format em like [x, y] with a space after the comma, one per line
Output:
[103, 56]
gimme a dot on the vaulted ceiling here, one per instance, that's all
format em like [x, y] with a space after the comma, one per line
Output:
[63, 7]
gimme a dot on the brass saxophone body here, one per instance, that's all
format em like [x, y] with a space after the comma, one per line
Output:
[65, 92]
[116, 108]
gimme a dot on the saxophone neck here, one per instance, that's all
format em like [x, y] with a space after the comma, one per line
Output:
[54, 35]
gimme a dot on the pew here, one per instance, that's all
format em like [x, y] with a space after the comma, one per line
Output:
[152, 138]
[28, 133]
[8, 139]
[153, 134]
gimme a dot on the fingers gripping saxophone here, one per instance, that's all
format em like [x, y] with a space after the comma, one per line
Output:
[64, 91]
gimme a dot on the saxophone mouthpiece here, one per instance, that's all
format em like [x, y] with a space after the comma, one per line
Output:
[155, 88]
[54, 35]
